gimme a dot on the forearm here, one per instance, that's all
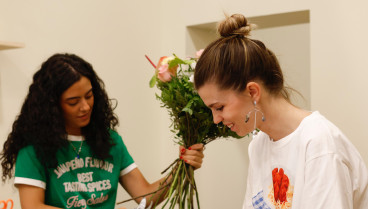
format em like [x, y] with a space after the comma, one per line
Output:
[192, 156]
[26, 205]
[32, 197]
[158, 190]
[138, 187]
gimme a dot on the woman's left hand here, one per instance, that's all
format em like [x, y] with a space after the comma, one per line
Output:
[193, 155]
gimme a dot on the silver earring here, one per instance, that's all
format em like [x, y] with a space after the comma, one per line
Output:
[255, 110]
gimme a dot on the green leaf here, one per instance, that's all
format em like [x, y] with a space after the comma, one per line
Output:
[176, 61]
[188, 62]
[152, 82]
[188, 107]
[188, 110]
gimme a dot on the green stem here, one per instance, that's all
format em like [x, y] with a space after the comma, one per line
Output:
[160, 188]
[180, 183]
[175, 161]
[189, 175]
[173, 184]
[188, 128]
[197, 195]
[168, 184]
[191, 197]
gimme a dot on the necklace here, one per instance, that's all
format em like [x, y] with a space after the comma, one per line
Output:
[75, 149]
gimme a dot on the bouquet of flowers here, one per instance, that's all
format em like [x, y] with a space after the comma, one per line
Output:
[191, 122]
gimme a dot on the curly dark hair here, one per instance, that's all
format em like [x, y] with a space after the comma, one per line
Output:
[41, 122]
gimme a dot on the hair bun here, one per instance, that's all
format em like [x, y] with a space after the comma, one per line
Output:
[236, 24]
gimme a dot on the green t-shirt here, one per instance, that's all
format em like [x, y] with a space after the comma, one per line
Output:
[76, 182]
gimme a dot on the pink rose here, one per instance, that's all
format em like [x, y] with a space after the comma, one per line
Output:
[199, 53]
[164, 72]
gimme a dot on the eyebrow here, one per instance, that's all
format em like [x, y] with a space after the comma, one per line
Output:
[71, 98]
[211, 105]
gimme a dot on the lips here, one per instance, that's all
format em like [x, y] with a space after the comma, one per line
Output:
[231, 126]
[84, 117]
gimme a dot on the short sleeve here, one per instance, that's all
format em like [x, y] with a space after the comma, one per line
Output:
[28, 169]
[327, 183]
[127, 162]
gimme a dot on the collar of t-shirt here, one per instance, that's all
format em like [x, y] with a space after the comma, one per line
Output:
[75, 138]
[283, 141]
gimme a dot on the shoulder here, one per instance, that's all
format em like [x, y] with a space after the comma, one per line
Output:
[116, 139]
[316, 125]
[321, 137]
[114, 134]
[27, 151]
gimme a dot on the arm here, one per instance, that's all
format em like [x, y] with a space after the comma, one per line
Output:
[136, 185]
[32, 197]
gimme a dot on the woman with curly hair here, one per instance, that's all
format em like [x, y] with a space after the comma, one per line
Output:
[63, 144]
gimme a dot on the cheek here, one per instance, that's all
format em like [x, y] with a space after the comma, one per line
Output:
[68, 111]
[91, 103]
[237, 114]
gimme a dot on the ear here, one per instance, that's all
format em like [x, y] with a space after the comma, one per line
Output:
[254, 91]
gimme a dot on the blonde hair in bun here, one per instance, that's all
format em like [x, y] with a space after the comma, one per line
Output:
[235, 24]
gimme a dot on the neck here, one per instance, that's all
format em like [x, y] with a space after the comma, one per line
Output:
[74, 131]
[282, 118]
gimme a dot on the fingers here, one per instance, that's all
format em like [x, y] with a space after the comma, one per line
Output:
[193, 155]
[195, 163]
[199, 147]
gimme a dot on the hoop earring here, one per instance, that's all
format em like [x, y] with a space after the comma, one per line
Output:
[255, 110]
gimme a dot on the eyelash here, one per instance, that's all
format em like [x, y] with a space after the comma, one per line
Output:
[220, 108]
[87, 97]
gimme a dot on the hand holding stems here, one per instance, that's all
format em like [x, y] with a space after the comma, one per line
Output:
[157, 191]
[193, 155]
[179, 184]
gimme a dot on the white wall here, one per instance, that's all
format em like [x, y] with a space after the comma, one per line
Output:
[339, 67]
[114, 36]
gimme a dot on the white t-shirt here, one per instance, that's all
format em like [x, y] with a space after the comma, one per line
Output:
[315, 166]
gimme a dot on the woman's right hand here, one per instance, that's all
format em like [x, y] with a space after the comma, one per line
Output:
[193, 155]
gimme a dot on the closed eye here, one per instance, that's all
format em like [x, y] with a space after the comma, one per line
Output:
[73, 102]
[220, 108]
[89, 95]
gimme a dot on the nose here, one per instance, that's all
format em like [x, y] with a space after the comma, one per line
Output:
[216, 118]
[85, 107]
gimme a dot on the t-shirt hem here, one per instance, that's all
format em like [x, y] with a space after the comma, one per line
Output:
[128, 169]
[28, 181]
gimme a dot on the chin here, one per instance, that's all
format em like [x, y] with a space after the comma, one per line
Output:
[240, 133]
[82, 125]
[243, 133]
